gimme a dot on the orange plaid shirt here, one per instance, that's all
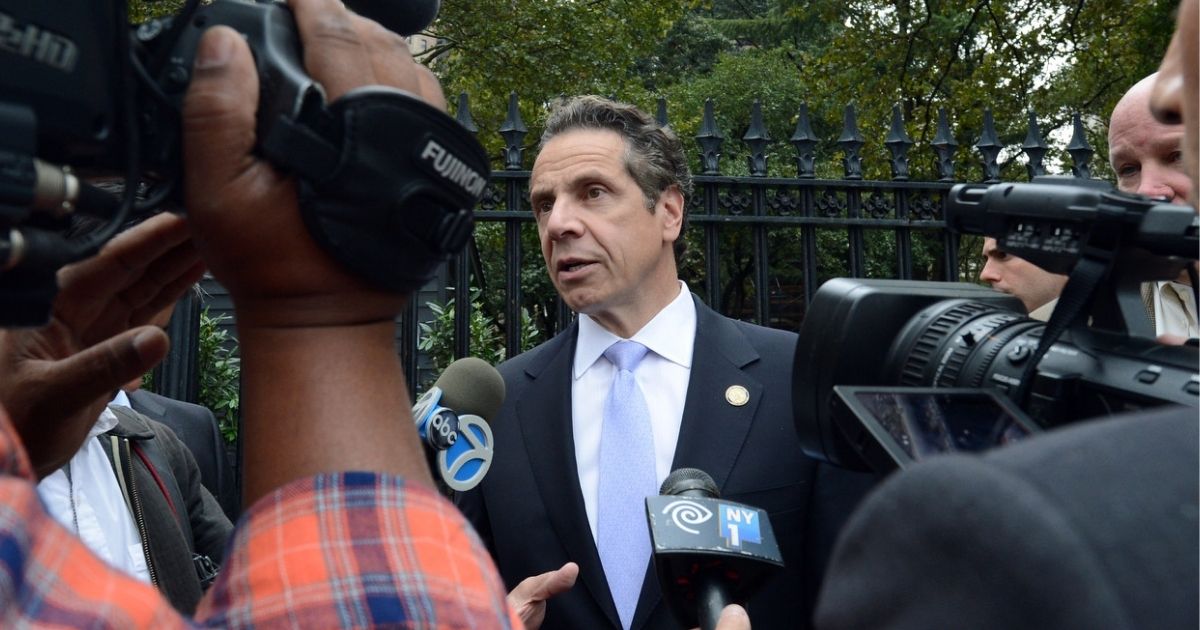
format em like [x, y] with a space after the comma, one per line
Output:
[347, 550]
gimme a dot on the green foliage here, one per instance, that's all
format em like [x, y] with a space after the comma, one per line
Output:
[541, 49]
[142, 10]
[1057, 57]
[220, 374]
[487, 340]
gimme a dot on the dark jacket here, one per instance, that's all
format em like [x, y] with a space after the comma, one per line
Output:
[529, 509]
[197, 428]
[174, 514]
[1091, 526]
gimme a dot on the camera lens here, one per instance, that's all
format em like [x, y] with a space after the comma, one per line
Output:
[955, 343]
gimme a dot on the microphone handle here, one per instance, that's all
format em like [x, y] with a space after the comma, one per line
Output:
[712, 597]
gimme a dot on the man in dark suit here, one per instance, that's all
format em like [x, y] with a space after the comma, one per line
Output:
[197, 429]
[609, 191]
[1092, 526]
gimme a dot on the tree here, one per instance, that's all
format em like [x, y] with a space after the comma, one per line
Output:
[541, 49]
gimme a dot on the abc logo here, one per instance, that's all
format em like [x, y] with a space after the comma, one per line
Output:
[443, 428]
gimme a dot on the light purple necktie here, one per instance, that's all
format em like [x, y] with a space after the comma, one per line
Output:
[626, 479]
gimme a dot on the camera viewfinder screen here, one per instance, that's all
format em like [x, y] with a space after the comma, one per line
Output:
[928, 422]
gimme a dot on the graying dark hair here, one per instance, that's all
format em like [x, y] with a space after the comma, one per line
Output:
[654, 155]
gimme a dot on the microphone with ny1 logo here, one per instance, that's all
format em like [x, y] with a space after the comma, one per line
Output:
[708, 553]
[451, 420]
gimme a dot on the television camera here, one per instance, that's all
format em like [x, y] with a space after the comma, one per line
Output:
[889, 371]
[387, 182]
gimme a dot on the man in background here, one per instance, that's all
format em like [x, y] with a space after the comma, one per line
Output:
[132, 494]
[1147, 155]
[1037, 288]
[195, 426]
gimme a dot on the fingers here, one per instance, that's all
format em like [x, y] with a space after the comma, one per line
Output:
[334, 52]
[218, 114]
[559, 581]
[140, 303]
[126, 257]
[546, 585]
[391, 61]
[135, 276]
[733, 617]
[431, 90]
[97, 371]
[344, 51]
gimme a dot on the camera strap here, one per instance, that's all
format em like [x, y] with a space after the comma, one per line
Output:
[1072, 305]
[387, 183]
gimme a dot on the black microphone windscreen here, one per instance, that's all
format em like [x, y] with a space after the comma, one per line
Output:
[471, 385]
[404, 17]
[690, 480]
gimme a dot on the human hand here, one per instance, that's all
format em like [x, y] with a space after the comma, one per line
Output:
[733, 617]
[244, 212]
[55, 380]
[529, 597]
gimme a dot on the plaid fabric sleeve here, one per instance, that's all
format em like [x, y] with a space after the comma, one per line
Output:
[48, 578]
[354, 550]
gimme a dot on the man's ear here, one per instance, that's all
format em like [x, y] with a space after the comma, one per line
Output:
[670, 208]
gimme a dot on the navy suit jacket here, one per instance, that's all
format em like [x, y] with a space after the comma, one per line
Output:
[197, 429]
[529, 509]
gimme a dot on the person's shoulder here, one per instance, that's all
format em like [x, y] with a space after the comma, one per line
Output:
[535, 356]
[771, 343]
[141, 398]
[765, 334]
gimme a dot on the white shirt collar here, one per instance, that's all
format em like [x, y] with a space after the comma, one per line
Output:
[108, 420]
[670, 335]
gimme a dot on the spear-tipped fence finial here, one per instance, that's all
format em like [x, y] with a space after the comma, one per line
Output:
[513, 130]
[1034, 147]
[757, 138]
[851, 141]
[898, 143]
[805, 143]
[945, 146]
[710, 139]
[463, 114]
[989, 146]
[1081, 152]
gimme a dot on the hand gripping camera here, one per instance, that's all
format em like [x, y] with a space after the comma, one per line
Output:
[387, 183]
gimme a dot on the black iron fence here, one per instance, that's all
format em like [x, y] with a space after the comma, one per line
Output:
[784, 227]
[760, 245]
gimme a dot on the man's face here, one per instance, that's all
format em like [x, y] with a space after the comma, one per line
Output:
[1177, 89]
[1031, 284]
[607, 254]
[1146, 154]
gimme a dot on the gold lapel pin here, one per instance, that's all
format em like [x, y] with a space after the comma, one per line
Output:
[737, 395]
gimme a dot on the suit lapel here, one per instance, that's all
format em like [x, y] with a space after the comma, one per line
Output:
[713, 429]
[544, 414]
[147, 406]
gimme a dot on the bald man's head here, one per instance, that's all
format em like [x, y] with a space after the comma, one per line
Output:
[1146, 154]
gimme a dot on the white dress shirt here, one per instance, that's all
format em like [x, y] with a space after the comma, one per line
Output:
[100, 516]
[1174, 309]
[662, 375]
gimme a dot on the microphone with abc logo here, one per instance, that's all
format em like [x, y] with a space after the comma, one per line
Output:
[708, 553]
[451, 420]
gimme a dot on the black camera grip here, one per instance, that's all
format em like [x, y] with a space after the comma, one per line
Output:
[387, 182]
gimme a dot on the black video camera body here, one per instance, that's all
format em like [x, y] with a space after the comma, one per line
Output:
[387, 182]
[1096, 355]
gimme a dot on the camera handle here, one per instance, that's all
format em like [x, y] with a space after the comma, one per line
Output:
[1084, 279]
